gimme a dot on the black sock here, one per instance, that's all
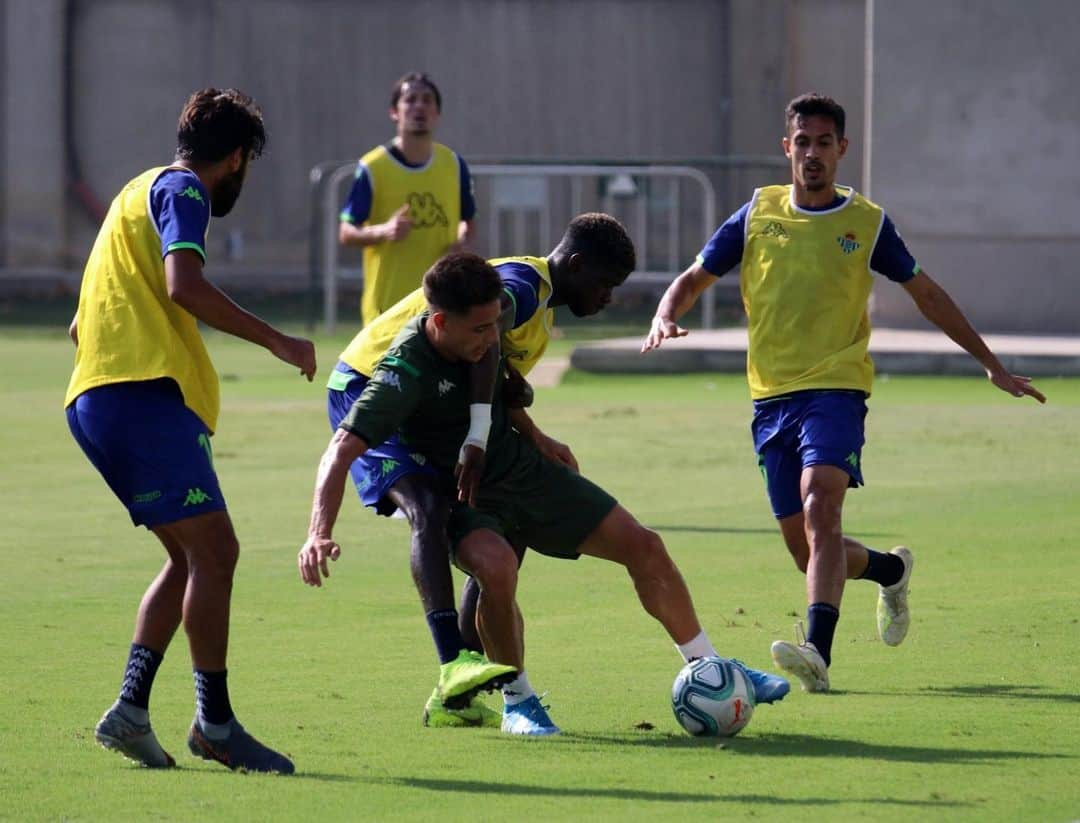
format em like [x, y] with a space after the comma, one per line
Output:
[822, 618]
[212, 697]
[446, 634]
[884, 569]
[142, 665]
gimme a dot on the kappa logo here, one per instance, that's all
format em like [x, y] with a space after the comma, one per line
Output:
[387, 466]
[196, 497]
[418, 458]
[852, 460]
[425, 211]
[445, 386]
[388, 378]
[193, 193]
[848, 243]
[774, 228]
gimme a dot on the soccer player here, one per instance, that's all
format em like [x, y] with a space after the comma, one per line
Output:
[411, 201]
[420, 390]
[594, 256]
[807, 252]
[143, 403]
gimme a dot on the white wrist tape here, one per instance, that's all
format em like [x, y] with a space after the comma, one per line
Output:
[479, 425]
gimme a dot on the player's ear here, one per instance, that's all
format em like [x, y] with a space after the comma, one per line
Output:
[575, 262]
[786, 142]
[235, 159]
[843, 146]
[439, 319]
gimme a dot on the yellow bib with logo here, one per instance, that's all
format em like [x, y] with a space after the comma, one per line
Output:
[433, 193]
[129, 328]
[523, 345]
[805, 281]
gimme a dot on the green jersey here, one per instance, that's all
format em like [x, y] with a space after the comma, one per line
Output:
[423, 397]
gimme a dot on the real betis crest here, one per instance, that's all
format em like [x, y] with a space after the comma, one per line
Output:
[848, 243]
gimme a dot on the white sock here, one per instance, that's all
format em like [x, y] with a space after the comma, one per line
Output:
[697, 647]
[132, 712]
[517, 690]
[215, 731]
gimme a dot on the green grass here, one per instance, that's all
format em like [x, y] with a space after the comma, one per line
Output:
[975, 717]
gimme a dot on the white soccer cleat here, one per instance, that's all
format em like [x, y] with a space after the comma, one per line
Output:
[803, 660]
[893, 617]
[135, 741]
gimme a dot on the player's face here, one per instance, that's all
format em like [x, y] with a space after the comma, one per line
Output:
[469, 336]
[591, 287]
[815, 151]
[417, 111]
[224, 195]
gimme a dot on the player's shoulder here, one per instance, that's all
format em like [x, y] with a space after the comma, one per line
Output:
[524, 264]
[179, 182]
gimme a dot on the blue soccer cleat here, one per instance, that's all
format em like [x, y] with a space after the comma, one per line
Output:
[239, 751]
[768, 688]
[528, 717]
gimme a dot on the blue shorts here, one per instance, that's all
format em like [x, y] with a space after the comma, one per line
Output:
[152, 450]
[805, 429]
[379, 468]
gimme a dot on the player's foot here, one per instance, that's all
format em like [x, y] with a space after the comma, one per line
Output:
[476, 713]
[135, 741]
[893, 617]
[469, 673]
[803, 660]
[768, 688]
[529, 717]
[239, 751]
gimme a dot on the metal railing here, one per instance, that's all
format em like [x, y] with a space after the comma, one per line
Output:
[524, 207]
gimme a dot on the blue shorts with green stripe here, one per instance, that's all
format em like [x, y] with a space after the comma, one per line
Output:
[376, 471]
[807, 428]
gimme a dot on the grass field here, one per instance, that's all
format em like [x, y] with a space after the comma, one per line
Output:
[975, 717]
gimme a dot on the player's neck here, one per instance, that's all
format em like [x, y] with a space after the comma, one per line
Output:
[556, 270]
[415, 148]
[806, 199]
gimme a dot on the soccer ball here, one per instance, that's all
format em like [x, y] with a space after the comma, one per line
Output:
[712, 697]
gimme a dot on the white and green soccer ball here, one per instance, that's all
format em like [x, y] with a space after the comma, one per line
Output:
[712, 697]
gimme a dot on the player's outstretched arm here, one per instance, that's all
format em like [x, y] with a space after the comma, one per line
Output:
[937, 307]
[188, 288]
[344, 448]
[679, 298]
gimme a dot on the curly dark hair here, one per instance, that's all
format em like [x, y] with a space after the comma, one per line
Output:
[460, 280]
[601, 240]
[814, 104]
[415, 77]
[216, 122]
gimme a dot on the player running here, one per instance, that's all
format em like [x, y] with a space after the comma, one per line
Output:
[806, 253]
[420, 391]
[143, 403]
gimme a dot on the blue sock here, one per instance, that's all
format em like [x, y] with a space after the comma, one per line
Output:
[822, 618]
[884, 569]
[446, 634]
[142, 665]
[212, 697]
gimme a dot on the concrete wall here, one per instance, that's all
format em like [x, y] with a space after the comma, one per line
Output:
[974, 142]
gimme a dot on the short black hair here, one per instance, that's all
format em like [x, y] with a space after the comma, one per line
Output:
[460, 280]
[601, 240]
[414, 77]
[814, 104]
[216, 122]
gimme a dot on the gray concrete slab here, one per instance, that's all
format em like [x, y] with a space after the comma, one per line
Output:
[895, 351]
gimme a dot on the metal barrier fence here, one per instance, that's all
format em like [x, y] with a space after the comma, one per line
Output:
[670, 210]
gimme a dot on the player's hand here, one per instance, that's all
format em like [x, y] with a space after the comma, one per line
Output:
[516, 391]
[469, 470]
[555, 451]
[312, 559]
[1015, 385]
[296, 351]
[399, 225]
[661, 330]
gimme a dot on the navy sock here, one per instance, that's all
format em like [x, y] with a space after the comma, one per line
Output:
[822, 618]
[446, 634]
[884, 569]
[212, 697]
[142, 665]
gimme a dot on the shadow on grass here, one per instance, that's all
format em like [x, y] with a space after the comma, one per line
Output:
[801, 745]
[738, 530]
[480, 787]
[981, 690]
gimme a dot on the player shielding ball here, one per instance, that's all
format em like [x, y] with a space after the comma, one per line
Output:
[143, 404]
[806, 253]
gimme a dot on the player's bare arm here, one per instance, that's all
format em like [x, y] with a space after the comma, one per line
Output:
[679, 298]
[188, 288]
[938, 307]
[344, 448]
[549, 447]
[73, 330]
[393, 230]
